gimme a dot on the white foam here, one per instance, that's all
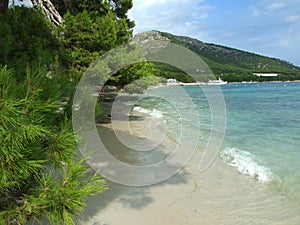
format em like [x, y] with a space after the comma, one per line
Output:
[246, 164]
[141, 110]
[154, 113]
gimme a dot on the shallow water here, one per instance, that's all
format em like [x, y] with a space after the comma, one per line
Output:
[264, 120]
[262, 134]
[254, 179]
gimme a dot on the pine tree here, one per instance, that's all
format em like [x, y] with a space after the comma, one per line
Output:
[91, 28]
[27, 38]
[40, 173]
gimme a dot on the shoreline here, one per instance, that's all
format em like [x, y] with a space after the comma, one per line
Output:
[206, 84]
[220, 195]
[273, 81]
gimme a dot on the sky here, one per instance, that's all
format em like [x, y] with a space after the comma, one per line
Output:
[266, 27]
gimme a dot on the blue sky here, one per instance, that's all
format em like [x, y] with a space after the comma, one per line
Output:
[267, 27]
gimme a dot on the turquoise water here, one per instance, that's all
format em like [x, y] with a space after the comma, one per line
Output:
[264, 120]
[262, 138]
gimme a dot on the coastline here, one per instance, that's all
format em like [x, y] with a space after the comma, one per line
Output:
[219, 195]
[246, 82]
[274, 81]
[206, 84]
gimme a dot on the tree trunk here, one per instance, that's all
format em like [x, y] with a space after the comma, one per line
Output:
[4, 5]
[51, 13]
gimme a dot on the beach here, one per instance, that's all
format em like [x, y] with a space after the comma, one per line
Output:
[219, 195]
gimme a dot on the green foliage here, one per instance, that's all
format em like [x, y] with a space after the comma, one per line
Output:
[99, 7]
[171, 72]
[38, 173]
[140, 85]
[92, 31]
[85, 38]
[232, 77]
[133, 72]
[41, 173]
[236, 65]
[120, 8]
[61, 193]
[78, 6]
[27, 38]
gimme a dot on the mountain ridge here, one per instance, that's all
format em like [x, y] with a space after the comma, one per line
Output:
[230, 63]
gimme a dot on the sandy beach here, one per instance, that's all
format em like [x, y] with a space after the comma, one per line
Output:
[220, 195]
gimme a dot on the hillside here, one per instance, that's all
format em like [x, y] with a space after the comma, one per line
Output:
[229, 63]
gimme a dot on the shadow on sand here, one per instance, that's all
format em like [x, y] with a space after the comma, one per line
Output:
[131, 197]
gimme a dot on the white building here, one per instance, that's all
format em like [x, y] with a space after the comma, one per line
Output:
[266, 74]
[172, 82]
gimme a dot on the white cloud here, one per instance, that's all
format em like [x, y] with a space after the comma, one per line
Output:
[205, 7]
[282, 42]
[203, 16]
[266, 9]
[276, 5]
[148, 3]
[255, 12]
[293, 18]
[184, 17]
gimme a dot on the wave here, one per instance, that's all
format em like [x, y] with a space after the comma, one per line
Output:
[154, 113]
[245, 163]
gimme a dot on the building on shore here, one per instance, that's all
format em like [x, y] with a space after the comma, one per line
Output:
[266, 74]
[172, 82]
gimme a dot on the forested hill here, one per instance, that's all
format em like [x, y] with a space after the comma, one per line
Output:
[233, 64]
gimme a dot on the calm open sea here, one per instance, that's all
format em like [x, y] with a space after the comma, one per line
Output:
[262, 138]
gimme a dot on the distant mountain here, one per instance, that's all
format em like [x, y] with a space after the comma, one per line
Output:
[229, 63]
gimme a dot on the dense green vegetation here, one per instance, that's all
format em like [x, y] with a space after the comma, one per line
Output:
[92, 31]
[42, 173]
[27, 39]
[131, 73]
[171, 72]
[140, 85]
[236, 65]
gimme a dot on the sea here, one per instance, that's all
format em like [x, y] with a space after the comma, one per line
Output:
[262, 133]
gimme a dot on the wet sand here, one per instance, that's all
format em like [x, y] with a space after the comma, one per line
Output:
[220, 195]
